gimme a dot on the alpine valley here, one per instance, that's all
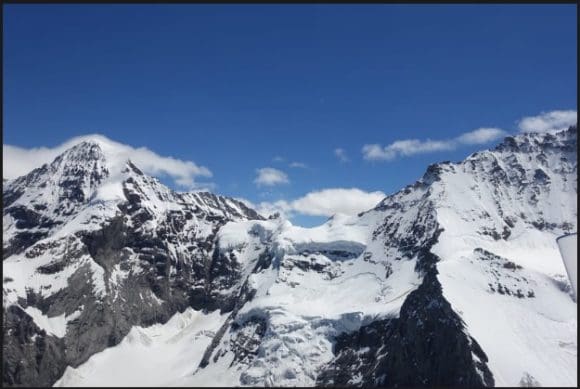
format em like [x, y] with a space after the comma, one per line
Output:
[111, 278]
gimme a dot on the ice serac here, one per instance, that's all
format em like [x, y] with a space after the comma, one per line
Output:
[456, 280]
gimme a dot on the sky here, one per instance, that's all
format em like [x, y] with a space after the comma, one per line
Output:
[305, 109]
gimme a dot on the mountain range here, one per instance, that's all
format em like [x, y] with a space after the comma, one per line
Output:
[112, 278]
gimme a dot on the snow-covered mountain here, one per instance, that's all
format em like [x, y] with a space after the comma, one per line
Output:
[110, 278]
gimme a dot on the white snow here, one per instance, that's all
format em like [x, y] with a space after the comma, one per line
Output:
[24, 275]
[537, 335]
[111, 190]
[55, 325]
[159, 355]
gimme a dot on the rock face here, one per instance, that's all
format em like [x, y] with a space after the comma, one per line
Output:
[135, 259]
[446, 282]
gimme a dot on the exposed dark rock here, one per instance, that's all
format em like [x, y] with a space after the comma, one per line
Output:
[21, 241]
[528, 381]
[246, 294]
[30, 356]
[247, 341]
[425, 346]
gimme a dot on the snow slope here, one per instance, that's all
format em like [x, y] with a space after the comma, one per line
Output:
[159, 355]
[520, 335]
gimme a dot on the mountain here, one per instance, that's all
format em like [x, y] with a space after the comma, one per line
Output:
[111, 278]
[93, 248]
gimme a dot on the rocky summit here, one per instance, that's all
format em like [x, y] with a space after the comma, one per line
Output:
[111, 278]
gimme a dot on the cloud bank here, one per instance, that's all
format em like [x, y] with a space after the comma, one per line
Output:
[18, 161]
[409, 147]
[548, 121]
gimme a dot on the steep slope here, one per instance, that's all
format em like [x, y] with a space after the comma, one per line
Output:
[501, 214]
[93, 247]
[455, 280]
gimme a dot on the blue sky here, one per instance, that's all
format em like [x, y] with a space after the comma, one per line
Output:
[232, 88]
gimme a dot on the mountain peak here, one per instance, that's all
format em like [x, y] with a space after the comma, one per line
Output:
[81, 154]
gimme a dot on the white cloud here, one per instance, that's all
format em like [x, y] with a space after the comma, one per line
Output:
[548, 121]
[409, 147]
[341, 154]
[300, 165]
[404, 148]
[278, 159]
[269, 177]
[480, 136]
[325, 202]
[18, 161]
